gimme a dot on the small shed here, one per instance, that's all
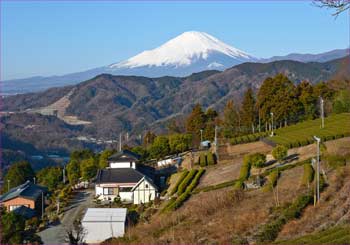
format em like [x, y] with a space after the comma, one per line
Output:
[102, 223]
[205, 144]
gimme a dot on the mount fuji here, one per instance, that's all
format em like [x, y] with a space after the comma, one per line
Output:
[181, 56]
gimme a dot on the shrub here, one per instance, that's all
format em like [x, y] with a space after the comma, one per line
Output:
[182, 177]
[272, 180]
[210, 158]
[244, 171]
[182, 187]
[335, 161]
[202, 160]
[308, 175]
[279, 152]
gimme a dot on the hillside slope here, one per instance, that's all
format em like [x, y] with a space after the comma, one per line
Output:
[115, 103]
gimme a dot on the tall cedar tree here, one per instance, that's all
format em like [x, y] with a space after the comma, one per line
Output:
[210, 118]
[248, 112]
[230, 120]
[307, 99]
[277, 95]
[196, 121]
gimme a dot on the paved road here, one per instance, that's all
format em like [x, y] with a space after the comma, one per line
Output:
[56, 234]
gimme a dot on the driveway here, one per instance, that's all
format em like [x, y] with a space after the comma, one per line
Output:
[56, 234]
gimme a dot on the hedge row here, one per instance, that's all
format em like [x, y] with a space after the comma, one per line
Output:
[272, 180]
[174, 204]
[308, 175]
[216, 187]
[187, 180]
[206, 159]
[334, 235]
[179, 181]
[248, 138]
[270, 230]
[308, 141]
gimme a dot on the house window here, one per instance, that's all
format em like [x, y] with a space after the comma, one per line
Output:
[125, 189]
[146, 185]
[13, 207]
[108, 191]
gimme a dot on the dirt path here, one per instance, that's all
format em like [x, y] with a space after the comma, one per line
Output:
[56, 234]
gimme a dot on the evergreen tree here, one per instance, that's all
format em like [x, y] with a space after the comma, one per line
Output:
[160, 147]
[307, 99]
[248, 112]
[196, 121]
[230, 120]
[149, 138]
[18, 174]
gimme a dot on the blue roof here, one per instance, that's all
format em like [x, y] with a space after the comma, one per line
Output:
[26, 212]
[26, 190]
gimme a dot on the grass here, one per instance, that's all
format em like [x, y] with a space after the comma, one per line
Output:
[336, 126]
[333, 235]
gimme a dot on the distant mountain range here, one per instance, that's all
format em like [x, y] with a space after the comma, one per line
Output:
[190, 52]
[114, 103]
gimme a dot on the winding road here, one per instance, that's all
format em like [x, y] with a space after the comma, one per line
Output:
[55, 234]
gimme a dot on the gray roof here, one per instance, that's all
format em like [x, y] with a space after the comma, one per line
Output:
[118, 175]
[124, 156]
[105, 215]
[26, 190]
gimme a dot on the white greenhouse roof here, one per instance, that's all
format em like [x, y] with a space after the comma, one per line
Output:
[105, 215]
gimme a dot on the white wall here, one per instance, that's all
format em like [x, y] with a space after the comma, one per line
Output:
[122, 165]
[144, 193]
[97, 232]
[126, 196]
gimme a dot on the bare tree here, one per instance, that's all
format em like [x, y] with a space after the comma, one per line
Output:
[76, 234]
[339, 5]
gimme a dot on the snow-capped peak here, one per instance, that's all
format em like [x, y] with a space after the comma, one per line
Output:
[184, 50]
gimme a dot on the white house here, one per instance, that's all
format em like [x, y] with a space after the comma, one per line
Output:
[123, 159]
[102, 223]
[124, 180]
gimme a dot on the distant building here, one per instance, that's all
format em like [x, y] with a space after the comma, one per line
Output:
[102, 223]
[28, 195]
[123, 180]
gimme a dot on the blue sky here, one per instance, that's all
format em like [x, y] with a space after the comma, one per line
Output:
[54, 38]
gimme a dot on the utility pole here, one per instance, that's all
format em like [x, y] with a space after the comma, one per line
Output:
[34, 180]
[127, 136]
[8, 185]
[58, 205]
[42, 205]
[313, 163]
[201, 135]
[120, 142]
[271, 124]
[64, 174]
[322, 112]
[318, 140]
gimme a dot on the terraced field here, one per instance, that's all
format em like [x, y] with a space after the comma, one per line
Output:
[336, 126]
[334, 235]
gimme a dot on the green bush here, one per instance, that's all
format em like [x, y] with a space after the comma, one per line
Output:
[272, 180]
[308, 175]
[335, 161]
[179, 181]
[244, 171]
[279, 152]
[182, 187]
[270, 230]
[202, 160]
[210, 158]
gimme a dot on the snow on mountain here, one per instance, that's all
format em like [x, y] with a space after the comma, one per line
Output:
[185, 50]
